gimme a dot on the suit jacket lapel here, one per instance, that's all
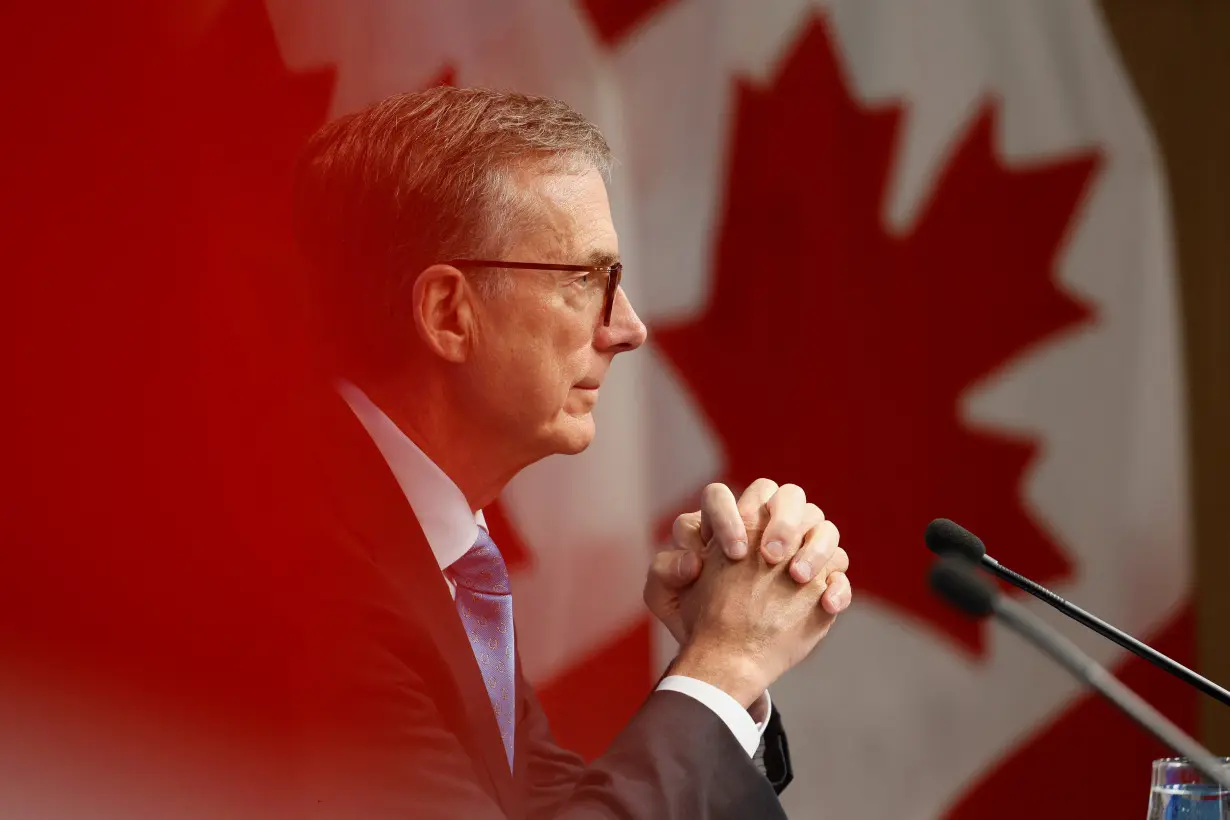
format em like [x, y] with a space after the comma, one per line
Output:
[373, 507]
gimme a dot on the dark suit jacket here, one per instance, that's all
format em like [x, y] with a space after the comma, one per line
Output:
[396, 720]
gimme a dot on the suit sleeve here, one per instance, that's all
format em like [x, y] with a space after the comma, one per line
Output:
[674, 759]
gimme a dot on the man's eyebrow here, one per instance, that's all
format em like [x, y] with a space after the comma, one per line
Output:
[602, 259]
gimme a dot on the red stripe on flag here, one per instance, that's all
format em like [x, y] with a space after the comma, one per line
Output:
[591, 702]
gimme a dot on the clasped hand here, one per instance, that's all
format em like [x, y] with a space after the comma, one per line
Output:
[749, 587]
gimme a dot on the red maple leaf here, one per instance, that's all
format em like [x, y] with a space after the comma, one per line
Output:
[834, 353]
[614, 20]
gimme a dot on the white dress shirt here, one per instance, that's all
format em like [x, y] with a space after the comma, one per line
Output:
[451, 528]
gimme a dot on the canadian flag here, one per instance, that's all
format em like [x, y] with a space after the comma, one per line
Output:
[913, 257]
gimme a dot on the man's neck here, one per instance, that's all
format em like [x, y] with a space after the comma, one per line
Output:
[467, 454]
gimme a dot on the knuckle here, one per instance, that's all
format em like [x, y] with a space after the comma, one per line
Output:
[840, 560]
[724, 524]
[716, 499]
[819, 550]
[788, 516]
[793, 490]
[686, 523]
[758, 492]
[755, 520]
[786, 520]
[688, 538]
[787, 495]
[813, 513]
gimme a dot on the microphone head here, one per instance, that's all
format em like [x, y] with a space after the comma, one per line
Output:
[944, 537]
[957, 582]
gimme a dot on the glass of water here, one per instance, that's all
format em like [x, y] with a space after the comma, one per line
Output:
[1180, 792]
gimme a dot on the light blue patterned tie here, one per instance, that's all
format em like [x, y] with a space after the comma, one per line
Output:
[484, 599]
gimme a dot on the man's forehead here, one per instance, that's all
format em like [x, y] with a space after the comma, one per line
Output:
[572, 214]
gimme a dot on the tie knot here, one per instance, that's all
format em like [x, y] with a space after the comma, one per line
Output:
[482, 568]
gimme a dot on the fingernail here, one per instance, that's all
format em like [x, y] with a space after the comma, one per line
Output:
[737, 549]
[802, 570]
[774, 550]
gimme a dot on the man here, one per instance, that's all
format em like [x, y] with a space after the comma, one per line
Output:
[467, 274]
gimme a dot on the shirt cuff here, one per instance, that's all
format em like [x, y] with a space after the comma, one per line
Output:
[739, 720]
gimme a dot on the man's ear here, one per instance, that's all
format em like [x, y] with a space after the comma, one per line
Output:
[444, 312]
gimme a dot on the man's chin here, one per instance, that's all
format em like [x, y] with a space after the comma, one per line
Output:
[574, 434]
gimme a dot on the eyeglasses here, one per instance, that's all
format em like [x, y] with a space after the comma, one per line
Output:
[613, 272]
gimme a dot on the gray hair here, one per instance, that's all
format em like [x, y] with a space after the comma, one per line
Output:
[420, 178]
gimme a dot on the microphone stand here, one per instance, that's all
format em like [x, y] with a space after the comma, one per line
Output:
[955, 581]
[1138, 648]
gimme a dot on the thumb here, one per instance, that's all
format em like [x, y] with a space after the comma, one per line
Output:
[675, 569]
[670, 572]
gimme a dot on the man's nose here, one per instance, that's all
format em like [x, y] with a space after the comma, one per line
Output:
[626, 330]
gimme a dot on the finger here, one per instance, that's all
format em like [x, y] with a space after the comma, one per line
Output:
[752, 510]
[785, 530]
[720, 521]
[685, 534]
[819, 545]
[837, 597]
[839, 561]
[675, 569]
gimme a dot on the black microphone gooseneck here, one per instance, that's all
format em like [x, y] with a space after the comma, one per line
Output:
[945, 537]
[956, 581]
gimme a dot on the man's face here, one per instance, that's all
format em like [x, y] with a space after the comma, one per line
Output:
[542, 351]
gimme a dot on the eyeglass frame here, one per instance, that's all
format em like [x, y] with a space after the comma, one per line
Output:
[614, 274]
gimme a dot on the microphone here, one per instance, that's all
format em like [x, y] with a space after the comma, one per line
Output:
[958, 584]
[944, 537]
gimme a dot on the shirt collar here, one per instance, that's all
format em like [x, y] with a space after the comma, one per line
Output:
[442, 510]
